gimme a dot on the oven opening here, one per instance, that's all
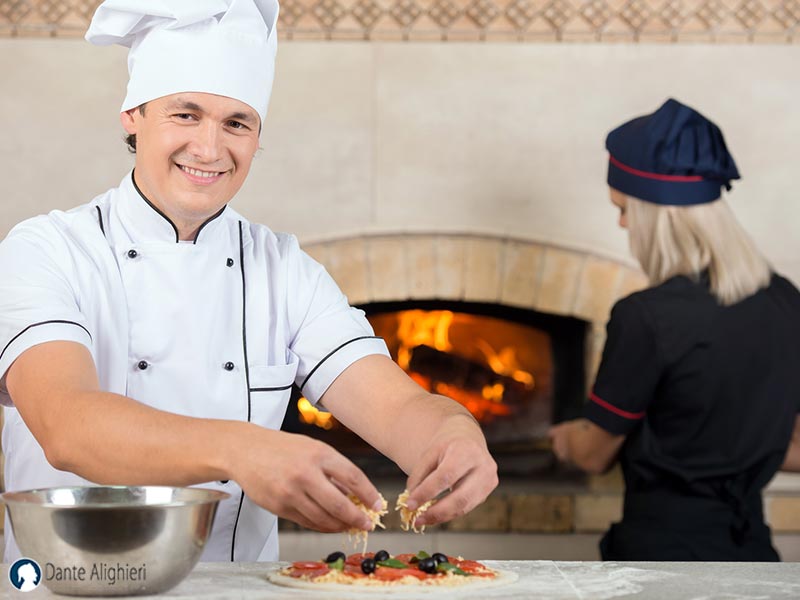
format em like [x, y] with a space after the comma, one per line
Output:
[517, 371]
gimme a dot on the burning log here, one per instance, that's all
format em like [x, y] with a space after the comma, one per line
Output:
[477, 380]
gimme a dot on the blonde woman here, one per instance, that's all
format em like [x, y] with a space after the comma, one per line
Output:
[696, 395]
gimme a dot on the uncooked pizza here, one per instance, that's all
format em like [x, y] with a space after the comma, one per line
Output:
[382, 570]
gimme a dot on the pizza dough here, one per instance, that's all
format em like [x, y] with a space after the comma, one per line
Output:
[435, 586]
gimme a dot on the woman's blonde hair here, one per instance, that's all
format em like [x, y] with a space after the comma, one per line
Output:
[686, 240]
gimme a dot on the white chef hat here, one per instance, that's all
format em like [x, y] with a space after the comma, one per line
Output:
[223, 47]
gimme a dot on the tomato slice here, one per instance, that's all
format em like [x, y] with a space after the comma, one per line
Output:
[467, 564]
[473, 567]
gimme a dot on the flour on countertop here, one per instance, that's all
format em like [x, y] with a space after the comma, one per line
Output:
[607, 580]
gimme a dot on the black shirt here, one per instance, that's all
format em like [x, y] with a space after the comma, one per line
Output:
[704, 393]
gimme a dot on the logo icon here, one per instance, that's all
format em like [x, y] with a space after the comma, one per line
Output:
[25, 574]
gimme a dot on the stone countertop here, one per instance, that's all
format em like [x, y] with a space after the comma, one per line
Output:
[542, 580]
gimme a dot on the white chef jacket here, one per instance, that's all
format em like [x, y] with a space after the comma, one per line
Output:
[217, 328]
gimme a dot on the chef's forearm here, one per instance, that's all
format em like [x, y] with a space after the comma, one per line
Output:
[113, 440]
[108, 438]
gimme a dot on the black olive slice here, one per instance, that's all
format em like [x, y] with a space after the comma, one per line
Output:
[427, 565]
[368, 565]
[334, 556]
[381, 555]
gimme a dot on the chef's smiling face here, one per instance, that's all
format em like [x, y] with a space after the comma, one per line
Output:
[193, 153]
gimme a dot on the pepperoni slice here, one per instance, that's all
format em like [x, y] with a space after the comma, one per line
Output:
[355, 559]
[406, 558]
[304, 565]
[354, 571]
[308, 573]
[389, 574]
[308, 569]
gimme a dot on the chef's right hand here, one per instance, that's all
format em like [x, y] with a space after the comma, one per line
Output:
[302, 479]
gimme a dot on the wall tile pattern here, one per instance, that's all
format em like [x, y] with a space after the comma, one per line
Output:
[708, 21]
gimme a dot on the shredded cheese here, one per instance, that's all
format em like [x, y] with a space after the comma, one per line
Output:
[408, 517]
[356, 535]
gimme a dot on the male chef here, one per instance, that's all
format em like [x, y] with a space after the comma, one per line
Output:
[152, 336]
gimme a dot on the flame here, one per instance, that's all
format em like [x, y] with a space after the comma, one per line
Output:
[505, 363]
[311, 415]
[433, 329]
[418, 327]
[477, 404]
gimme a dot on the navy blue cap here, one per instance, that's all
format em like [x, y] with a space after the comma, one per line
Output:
[673, 156]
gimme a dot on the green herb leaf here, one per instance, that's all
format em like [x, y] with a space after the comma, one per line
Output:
[393, 563]
[338, 564]
[446, 566]
[419, 556]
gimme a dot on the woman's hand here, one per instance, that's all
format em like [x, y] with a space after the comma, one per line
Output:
[584, 444]
[560, 440]
[791, 461]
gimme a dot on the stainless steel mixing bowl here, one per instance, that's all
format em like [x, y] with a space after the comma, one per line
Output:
[112, 541]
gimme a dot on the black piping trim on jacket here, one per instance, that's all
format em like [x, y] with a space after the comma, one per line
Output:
[207, 221]
[154, 207]
[43, 323]
[168, 220]
[246, 371]
[272, 389]
[100, 220]
[332, 352]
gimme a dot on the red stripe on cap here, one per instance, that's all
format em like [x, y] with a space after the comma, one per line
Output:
[617, 411]
[658, 176]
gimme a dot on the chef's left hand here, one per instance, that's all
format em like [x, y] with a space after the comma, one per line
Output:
[457, 460]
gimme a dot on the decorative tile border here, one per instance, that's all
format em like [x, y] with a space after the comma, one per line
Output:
[605, 21]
